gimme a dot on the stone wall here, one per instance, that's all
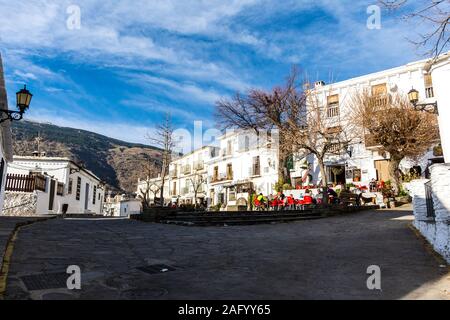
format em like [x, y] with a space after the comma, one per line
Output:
[18, 204]
[435, 230]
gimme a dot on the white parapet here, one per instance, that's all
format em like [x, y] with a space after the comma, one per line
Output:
[436, 230]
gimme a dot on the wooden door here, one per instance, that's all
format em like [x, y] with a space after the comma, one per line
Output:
[382, 167]
[52, 194]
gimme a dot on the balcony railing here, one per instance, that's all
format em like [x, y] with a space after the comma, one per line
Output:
[255, 170]
[380, 101]
[185, 190]
[173, 174]
[429, 92]
[187, 169]
[199, 165]
[333, 111]
[221, 178]
[25, 183]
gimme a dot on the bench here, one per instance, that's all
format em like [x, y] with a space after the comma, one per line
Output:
[348, 199]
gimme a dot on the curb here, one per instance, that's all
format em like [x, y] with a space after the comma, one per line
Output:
[429, 247]
[9, 248]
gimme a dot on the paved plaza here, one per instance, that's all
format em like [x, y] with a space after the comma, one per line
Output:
[317, 259]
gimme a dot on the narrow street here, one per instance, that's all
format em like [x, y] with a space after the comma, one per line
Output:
[319, 259]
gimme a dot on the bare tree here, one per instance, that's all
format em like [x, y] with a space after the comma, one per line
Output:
[436, 13]
[164, 138]
[298, 115]
[151, 185]
[197, 181]
[394, 125]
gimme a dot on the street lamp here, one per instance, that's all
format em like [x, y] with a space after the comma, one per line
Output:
[349, 151]
[431, 107]
[23, 98]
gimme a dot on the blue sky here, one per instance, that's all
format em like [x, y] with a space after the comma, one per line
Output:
[132, 61]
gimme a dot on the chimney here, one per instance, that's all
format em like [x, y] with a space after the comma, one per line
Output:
[319, 84]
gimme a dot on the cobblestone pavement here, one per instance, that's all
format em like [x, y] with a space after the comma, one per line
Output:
[320, 259]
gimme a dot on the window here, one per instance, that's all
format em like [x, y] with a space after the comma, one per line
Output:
[429, 92]
[78, 194]
[94, 197]
[70, 186]
[379, 89]
[229, 171]
[256, 166]
[216, 174]
[380, 96]
[60, 189]
[333, 106]
[229, 148]
[2, 170]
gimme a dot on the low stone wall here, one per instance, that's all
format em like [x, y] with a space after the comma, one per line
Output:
[18, 204]
[435, 230]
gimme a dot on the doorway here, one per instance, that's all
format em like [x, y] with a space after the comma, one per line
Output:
[337, 174]
[51, 195]
[382, 168]
[86, 197]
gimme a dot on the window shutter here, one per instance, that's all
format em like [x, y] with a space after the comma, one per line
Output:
[428, 80]
[333, 99]
[379, 89]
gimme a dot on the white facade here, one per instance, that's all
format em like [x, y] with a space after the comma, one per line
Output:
[66, 184]
[121, 206]
[5, 138]
[240, 163]
[366, 162]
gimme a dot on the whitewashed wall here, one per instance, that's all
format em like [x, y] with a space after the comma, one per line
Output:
[59, 169]
[436, 231]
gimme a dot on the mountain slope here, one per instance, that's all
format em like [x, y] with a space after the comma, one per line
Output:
[118, 163]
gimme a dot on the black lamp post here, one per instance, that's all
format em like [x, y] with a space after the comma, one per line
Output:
[349, 151]
[23, 98]
[431, 107]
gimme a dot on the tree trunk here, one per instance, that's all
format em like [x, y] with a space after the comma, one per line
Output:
[282, 170]
[394, 172]
[323, 172]
[324, 181]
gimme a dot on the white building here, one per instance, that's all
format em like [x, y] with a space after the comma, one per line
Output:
[223, 175]
[239, 164]
[6, 155]
[243, 164]
[46, 185]
[366, 162]
[121, 206]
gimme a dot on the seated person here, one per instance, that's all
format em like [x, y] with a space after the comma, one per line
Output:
[308, 199]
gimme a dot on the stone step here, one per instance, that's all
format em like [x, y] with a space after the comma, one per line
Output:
[234, 222]
[238, 216]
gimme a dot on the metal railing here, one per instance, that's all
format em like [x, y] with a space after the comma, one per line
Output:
[431, 213]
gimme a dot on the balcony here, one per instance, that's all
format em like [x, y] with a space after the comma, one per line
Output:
[255, 171]
[199, 165]
[221, 178]
[333, 111]
[380, 101]
[25, 183]
[187, 169]
[174, 173]
[184, 190]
